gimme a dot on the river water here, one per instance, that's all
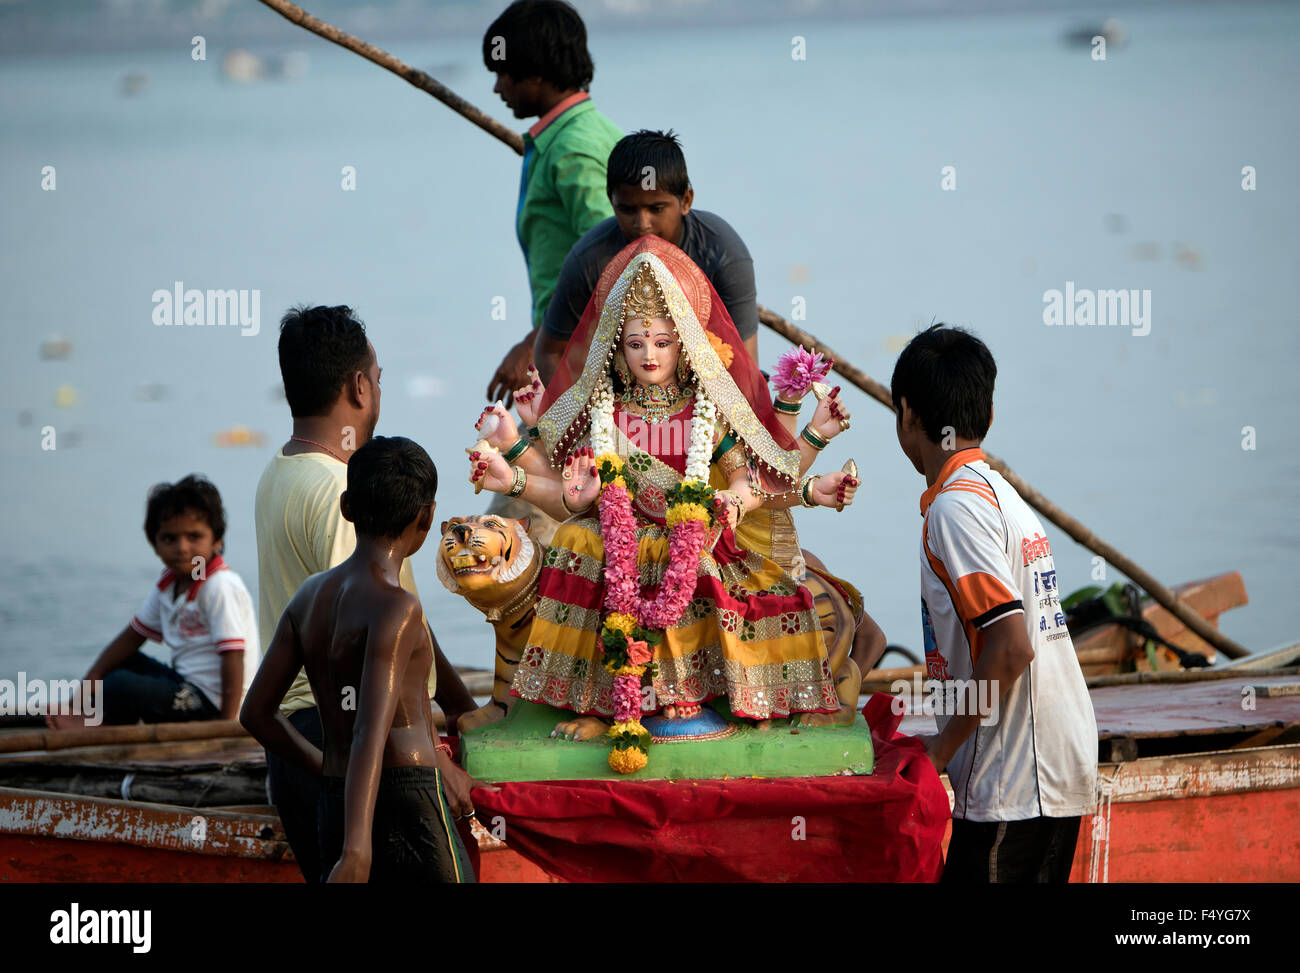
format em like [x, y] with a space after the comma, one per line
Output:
[1123, 173]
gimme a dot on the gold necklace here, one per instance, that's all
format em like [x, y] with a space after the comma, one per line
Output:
[655, 403]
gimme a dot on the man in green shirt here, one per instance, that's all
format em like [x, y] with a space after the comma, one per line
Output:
[538, 51]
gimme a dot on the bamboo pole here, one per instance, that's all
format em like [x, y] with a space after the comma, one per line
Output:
[92, 736]
[1118, 560]
[1125, 565]
[295, 14]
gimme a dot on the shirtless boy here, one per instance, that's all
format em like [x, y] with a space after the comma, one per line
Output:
[362, 639]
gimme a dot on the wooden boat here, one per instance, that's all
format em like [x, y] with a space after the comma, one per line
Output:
[1194, 786]
[1112, 649]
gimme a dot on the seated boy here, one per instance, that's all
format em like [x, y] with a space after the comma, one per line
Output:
[199, 609]
[361, 637]
[1024, 773]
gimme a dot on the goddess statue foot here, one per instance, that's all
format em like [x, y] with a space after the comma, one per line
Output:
[844, 717]
[681, 711]
[583, 728]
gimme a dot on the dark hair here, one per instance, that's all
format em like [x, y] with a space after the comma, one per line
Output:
[540, 39]
[946, 374]
[319, 348]
[194, 493]
[660, 150]
[389, 479]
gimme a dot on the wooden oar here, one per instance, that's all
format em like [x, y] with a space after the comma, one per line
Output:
[852, 373]
[1115, 558]
[295, 13]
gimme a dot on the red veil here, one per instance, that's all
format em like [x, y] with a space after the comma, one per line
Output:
[741, 394]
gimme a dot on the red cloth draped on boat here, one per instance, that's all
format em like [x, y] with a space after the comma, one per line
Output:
[884, 827]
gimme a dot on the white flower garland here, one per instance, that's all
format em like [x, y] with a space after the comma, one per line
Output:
[700, 453]
[602, 420]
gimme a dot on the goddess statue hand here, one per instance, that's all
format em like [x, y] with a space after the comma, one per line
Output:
[729, 508]
[831, 417]
[528, 398]
[833, 489]
[580, 481]
[497, 426]
[492, 470]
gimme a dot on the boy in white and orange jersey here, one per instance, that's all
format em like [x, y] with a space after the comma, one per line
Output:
[1023, 774]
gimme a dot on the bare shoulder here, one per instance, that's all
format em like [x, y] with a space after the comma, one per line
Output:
[396, 611]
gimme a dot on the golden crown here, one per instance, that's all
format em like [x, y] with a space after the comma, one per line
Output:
[644, 298]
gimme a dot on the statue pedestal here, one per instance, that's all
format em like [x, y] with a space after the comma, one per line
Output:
[520, 748]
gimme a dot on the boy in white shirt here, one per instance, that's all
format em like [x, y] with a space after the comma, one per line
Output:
[199, 609]
[1025, 772]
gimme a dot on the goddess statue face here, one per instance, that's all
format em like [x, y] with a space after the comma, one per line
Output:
[650, 348]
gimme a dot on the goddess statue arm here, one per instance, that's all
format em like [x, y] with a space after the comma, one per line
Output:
[830, 419]
[497, 427]
[544, 489]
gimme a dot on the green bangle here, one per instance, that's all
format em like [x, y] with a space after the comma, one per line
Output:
[789, 408]
[517, 450]
[814, 440]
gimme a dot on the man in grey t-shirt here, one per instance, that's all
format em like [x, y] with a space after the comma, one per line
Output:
[651, 194]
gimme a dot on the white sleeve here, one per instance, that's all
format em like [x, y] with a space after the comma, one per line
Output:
[227, 609]
[966, 535]
[147, 620]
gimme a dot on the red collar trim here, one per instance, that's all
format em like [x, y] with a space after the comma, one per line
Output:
[166, 580]
[970, 454]
[539, 126]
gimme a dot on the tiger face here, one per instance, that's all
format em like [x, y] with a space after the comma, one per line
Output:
[484, 552]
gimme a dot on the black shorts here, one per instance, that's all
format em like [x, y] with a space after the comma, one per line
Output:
[1032, 850]
[412, 838]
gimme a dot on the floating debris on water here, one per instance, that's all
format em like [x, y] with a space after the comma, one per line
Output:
[151, 392]
[66, 397]
[239, 436]
[133, 83]
[1146, 250]
[1187, 256]
[56, 348]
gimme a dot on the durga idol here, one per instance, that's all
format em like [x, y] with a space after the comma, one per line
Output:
[655, 440]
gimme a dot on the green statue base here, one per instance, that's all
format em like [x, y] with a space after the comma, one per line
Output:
[520, 748]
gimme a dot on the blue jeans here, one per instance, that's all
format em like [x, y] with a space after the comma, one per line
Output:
[142, 688]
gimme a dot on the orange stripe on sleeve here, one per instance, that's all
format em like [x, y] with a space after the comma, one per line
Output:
[978, 593]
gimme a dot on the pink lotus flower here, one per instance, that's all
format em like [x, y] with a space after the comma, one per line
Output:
[796, 371]
[638, 652]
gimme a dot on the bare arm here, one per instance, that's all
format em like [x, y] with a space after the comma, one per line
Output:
[451, 695]
[126, 644]
[1007, 653]
[232, 683]
[261, 714]
[751, 346]
[547, 351]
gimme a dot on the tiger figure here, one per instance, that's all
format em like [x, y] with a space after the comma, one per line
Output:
[493, 564]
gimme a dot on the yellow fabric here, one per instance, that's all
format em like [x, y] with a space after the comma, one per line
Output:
[754, 663]
[301, 532]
